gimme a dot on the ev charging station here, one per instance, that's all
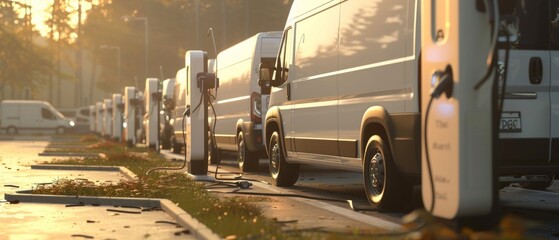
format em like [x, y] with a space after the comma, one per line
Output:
[99, 118]
[107, 117]
[92, 118]
[117, 116]
[458, 41]
[198, 84]
[130, 103]
[152, 99]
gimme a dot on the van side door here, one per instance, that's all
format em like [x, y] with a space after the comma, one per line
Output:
[314, 86]
[524, 127]
[281, 95]
[373, 61]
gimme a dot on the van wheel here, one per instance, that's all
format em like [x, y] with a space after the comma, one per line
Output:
[60, 130]
[212, 152]
[248, 160]
[165, 141]
[539, 185]
[175, 147]
[11, 130]
[283, 174]
[383, 185]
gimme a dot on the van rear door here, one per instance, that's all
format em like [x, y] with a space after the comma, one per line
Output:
[525, 120]
[554, 88]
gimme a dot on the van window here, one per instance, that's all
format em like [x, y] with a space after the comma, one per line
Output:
[47, 114]
[285, 58]
[84, 112]
[538, 23]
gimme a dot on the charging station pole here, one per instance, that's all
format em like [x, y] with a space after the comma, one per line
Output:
[99, 118]
[458, 38]
[117, 117]
[107, 117]
[130, 115]
[151, 101]
[197, 112]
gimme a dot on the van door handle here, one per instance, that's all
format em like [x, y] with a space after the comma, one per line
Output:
[536, 70]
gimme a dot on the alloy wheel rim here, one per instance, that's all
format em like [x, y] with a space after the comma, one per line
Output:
[241, 151]
[377, 173]
[274, 159]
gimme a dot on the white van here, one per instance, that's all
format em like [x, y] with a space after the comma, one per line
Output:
[240, 101]
[167, 106]
[21, 115]
[80, 116]
[179, 97]
[529, 124]
[345, 86]
[346, 80]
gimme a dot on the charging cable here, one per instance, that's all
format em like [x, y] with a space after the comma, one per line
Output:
[443, 83]
[491, 6]
[184, 138]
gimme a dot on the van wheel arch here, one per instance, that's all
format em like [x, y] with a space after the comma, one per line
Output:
[376, 121]
[271, 124]
[60, 130]
[11, 130]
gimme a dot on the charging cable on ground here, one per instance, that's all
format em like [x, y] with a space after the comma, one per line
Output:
[184, 162]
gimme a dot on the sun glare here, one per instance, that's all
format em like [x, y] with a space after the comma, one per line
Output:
[40, 13]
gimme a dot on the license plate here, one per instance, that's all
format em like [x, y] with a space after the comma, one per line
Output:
[510, 122]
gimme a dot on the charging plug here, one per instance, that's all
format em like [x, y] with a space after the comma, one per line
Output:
[442, 82]
[186, 112]
[243, 184]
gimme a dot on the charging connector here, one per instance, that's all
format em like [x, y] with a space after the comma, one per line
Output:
[442, 82]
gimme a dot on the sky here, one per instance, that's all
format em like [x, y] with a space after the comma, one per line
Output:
[40, 12]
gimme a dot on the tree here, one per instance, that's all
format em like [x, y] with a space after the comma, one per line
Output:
[22, 62]
[172, 32]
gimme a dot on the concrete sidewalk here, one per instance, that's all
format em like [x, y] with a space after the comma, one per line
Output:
[39, 217]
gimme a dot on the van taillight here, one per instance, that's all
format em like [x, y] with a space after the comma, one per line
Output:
[256, 108]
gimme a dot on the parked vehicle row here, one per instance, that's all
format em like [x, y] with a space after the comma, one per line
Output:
[339, 87]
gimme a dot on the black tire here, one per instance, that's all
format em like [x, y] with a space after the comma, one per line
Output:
[248, 160]
[11, 130]
[384, 187]
[165, 141]
[212, 152]
[175, 147]
[538, 185]
[283, 174]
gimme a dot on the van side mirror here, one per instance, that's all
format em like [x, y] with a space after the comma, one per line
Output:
[265, 70]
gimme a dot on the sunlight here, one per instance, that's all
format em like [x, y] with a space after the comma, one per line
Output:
[40, 13]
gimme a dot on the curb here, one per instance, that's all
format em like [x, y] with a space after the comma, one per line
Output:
[197, 229]
[124, 171]
[68, 154]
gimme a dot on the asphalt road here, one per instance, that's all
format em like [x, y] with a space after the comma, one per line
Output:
[537, 210]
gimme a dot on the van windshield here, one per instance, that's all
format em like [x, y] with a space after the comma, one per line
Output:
[538, 22]
[57, 114]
